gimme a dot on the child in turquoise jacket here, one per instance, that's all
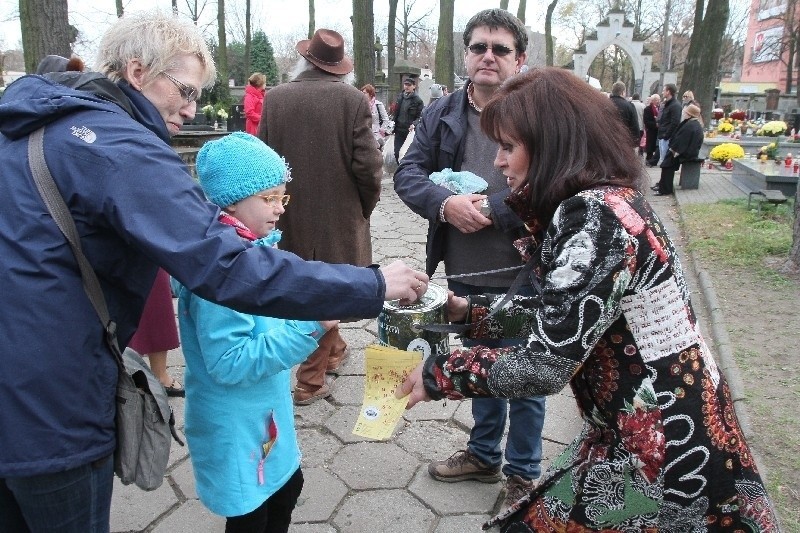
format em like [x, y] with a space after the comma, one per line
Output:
[239, 412]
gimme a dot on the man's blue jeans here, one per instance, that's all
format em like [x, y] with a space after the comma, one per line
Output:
[73, 501]
[523, 451]
[663, 148]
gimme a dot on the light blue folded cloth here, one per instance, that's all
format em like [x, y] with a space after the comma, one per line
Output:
[463, 182]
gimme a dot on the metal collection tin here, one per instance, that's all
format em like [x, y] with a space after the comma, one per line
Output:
[398, 325]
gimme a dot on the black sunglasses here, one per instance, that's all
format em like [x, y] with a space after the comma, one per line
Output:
[189, 93]
[497, 49]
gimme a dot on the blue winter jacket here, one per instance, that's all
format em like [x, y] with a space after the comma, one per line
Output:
[438, 144]
[136, 208]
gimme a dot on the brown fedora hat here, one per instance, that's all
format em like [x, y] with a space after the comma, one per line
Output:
[326, 51]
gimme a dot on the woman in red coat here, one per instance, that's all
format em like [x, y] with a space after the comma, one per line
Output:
[253, 100]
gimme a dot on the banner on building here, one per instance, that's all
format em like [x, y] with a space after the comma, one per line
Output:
[770, 9]
[767, 45]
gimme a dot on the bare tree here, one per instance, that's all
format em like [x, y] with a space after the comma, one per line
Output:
[411, 27]
[548, 33]
[704, 51]
[312, 23]
[793, 262]
[222, 60]
[523, 4]
[504, 4]
[363, 41]
[248, 38]
[445, 61]
[391, 49]
[45, 30]
[120, 9]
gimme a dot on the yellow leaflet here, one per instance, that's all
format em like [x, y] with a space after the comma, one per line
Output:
[386, 369]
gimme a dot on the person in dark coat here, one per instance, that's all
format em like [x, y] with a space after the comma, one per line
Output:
[626, 111]
[668, 120]
[684, 145]
[323, 127]
[650, 118]
[408, 109]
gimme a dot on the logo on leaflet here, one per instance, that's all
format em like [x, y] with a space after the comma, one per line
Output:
[83, 133]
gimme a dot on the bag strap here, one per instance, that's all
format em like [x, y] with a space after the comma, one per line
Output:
[58, 209]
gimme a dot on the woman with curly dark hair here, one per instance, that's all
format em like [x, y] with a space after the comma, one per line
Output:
[661, 448]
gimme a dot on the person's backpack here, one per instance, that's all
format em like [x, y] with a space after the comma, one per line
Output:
[145, 425]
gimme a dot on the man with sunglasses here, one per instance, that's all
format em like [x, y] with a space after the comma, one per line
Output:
[475, 233]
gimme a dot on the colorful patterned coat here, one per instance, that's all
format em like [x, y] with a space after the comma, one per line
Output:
[661, 448]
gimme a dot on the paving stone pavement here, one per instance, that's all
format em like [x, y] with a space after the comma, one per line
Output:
[352, 484]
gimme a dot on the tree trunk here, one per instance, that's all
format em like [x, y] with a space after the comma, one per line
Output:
[364, 42]
[391, 51]
[665, 45]
[445, 59]
[548, 33]
[702, 61]
[120, 9]
[523, 4]
[248, 40]
[45, 30]
[793, 264]
[504, 4]
[175, 7]
[222, 52]
[312, 23]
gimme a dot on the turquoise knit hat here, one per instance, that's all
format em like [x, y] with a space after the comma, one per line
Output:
[237, 166]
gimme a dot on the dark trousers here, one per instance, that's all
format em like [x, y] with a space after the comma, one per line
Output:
[74, 501]
[651, 146]
[665, 184]
[274, 515]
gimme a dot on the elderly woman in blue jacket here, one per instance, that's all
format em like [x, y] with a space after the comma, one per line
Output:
[136, 208]
[239, 414]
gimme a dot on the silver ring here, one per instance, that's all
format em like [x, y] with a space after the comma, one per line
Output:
[418, 287]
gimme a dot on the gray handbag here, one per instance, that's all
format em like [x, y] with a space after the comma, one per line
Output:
[145, 424]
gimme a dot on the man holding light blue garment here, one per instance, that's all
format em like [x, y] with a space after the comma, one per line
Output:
[475, 233]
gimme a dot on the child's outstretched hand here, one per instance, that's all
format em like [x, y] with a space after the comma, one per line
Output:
[328, 324]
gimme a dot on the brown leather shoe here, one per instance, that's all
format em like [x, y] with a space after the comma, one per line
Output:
[335, 362]
[303, 397]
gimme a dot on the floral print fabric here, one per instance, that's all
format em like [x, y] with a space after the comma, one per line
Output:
[661, 448]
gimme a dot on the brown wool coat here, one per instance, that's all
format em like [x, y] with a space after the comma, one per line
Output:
[323, 127]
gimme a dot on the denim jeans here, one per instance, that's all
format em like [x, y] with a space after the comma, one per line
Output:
[74, 501]
[663, 148]
[523, 451]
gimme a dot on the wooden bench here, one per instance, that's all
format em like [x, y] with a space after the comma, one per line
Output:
[766, 195]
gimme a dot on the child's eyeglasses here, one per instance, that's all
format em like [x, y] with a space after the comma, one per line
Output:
[189, 93]
[497, 49]
[275, 199]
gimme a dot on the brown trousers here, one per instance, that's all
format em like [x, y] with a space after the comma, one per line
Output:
[311, 372]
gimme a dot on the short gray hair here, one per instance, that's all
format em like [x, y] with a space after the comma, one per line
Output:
[156, 39]
[618, 89]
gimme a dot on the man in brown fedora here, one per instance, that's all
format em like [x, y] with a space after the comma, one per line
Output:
[323, 127]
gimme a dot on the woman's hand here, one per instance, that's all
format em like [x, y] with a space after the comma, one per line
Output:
[413, 388]
[457, 307]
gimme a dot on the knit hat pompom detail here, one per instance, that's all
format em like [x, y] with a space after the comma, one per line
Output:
[237, 166]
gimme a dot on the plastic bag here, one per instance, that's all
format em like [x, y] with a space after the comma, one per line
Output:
[389, 162]
[463, 182]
